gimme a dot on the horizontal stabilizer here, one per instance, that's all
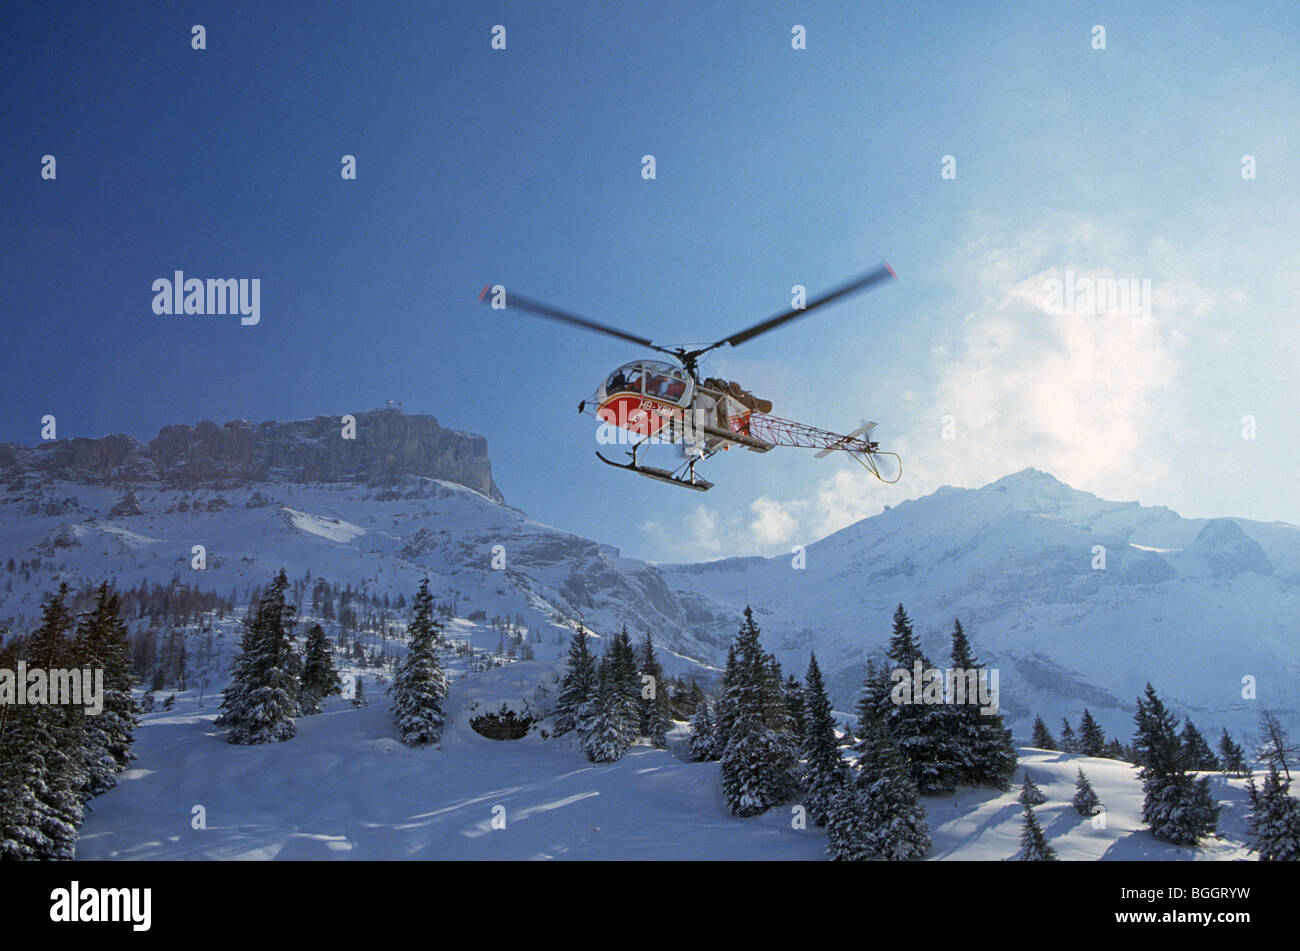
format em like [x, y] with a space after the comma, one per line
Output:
[860, 431]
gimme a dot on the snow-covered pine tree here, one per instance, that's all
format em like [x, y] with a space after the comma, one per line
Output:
[722, 709]
[42, 751]
[578, 685]
[148, 701]
[1114, 749]
[924, 733]
[1231, 755]
[826, 771]
[1177, 806]
[1085, 799]
[886, 797]
[653, 710]
[608, 723]
[319, 678]
[1034, 846]
[359, 698]
[419, 687]
[1092, 738]
[796, 706]
[1197, 754]
[262, 699]
[1273, 827]
[985, 751]
[1069, 741]
[1030, 794]
[703, 742]
[777, 717]
[1042, 738]
[102, 643]
[848, 837]
[1275, 748]
[757, 760]
[620, 658]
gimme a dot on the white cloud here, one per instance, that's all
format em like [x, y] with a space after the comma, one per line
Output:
[701, 538]
[775, 522]
[1082, 395]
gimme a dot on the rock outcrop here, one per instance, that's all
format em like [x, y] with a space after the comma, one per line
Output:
[389, 444]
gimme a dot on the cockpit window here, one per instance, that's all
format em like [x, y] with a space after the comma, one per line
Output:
[658, 380]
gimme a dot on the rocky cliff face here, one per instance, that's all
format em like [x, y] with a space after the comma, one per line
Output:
[388, 444]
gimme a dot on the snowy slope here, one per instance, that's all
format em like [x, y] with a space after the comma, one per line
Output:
[1192, 605]
[345, 788]
[381, 540]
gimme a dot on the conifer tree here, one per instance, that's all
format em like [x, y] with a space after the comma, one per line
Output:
[1273, 826]
[1196, 751]
[983, 745]
[1232, 756]
[1042, 738]
[826, 770]
[1085, 799]
[262, 699]
[1034, 846]
[1177, 806]
[653, 709]
[102, 644]
[359, 698]
[1114, 749]
[796, 705]
[419, 687]
[1069, 741]
[1276, 749]
[148, 701]
[578, 685]
[1030, 794]
[1092, 738]
[703, 742]
[757, 761]
[43, 751]
[722, 710]
[608, 724]
[848, 836]
[319, 678]
[877, 815]
[923, 732]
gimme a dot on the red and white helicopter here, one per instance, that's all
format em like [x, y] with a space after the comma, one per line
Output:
[650, 401]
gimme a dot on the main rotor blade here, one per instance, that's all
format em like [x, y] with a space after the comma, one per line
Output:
[520, 302]
[857, 284]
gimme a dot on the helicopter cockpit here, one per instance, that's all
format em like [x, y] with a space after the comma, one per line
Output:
[660, 381]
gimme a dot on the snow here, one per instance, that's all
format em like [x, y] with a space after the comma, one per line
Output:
[1013, 559]
[345, 788]
[333, 529]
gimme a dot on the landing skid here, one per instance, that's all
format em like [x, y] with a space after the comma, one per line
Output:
[689, 480]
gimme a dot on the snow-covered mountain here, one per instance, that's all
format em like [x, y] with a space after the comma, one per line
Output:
[405, 497]
[1192, 605]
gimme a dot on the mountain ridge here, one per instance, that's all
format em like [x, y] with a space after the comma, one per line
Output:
[1077, 599]
[383, 444]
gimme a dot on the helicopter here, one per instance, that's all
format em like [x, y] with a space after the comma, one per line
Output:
[651, 401]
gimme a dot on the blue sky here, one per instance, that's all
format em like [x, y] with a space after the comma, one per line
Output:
[774, 167]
